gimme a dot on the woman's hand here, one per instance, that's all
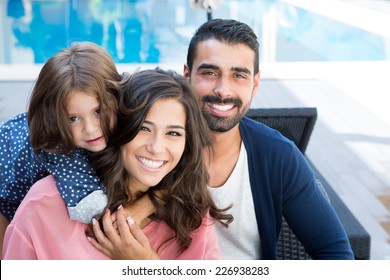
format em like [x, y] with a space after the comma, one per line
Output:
[126, 242]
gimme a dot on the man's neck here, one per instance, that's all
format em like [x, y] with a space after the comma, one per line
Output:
[223, 156]
[225, 141]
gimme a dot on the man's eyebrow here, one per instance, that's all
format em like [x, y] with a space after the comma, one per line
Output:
[208, 66]
[242, 70]
[214, 67]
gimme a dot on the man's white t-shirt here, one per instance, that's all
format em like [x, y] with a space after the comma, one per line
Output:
[241, 239]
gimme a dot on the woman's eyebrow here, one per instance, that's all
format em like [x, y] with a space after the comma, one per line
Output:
[174, 126]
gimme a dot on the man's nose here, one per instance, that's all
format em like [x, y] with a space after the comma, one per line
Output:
[223, 88]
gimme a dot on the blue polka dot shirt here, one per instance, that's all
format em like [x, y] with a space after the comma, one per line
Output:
[20, 168]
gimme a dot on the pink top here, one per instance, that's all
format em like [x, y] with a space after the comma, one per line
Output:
[42, 229]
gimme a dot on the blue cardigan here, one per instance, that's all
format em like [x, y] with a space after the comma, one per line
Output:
[283, 184]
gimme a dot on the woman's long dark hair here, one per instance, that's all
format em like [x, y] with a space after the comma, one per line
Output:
[184, 194]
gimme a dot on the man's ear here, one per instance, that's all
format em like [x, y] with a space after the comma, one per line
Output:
[256, 84]
[186, 72]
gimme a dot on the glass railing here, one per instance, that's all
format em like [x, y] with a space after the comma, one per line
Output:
[155, 31]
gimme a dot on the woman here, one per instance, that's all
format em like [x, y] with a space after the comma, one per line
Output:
[157, 145]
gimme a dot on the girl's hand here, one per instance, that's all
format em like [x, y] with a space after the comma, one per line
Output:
[127, 242]
[140, 210]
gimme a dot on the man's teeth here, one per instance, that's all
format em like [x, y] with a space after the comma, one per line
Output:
[222, 107]
[151, 163]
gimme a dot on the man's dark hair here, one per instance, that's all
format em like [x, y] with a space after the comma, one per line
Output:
[227, 31]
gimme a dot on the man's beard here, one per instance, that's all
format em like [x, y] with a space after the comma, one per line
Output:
[223, 124]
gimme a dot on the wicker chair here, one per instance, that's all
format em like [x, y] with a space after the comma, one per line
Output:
[294, 123]
[297, 125]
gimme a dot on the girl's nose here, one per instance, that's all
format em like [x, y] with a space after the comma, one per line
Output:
[91, 124]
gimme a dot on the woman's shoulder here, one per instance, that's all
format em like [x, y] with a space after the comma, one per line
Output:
[43, 190]
[42, 201]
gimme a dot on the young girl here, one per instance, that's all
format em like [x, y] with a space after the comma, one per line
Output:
[79, 86]
[71, 112]
[157, 145]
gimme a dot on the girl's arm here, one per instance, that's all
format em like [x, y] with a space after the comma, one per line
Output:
[140, 209]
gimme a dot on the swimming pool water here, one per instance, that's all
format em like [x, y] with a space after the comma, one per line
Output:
[153, 31]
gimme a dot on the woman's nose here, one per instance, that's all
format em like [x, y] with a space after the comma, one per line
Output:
[155, 144]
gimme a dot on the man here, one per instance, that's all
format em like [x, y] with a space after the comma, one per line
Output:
[252, 166]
